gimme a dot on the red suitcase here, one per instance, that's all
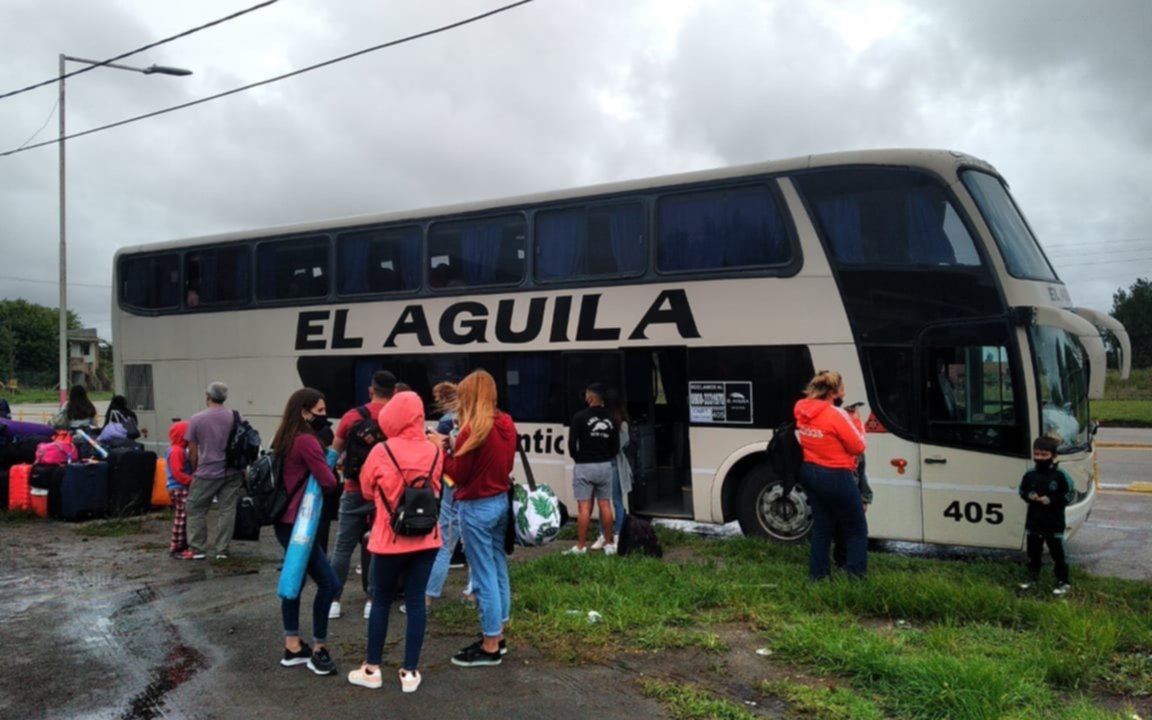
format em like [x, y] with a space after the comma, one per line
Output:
[19, 497]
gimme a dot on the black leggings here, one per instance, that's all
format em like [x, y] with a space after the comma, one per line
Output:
[1055, 542]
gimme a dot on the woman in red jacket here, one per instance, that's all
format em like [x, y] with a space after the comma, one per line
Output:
[304, 415]
[481, 466]
[406, 455]
[832, 439]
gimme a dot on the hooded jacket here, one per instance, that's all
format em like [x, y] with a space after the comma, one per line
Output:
[486, 471]
[1054, 484]
[829, 436]
[177, 457]
[402, 421]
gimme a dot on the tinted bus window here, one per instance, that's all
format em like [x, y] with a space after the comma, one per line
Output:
[760, 385]
[887, 217]
[470, 253]
[292, 269]
[731, 228]
[217, 276]
[151, 282]
[380, 260]
[606, 241]
[1022, 256]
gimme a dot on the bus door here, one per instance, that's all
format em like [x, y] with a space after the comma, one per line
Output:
[656, 389]
[974, 434]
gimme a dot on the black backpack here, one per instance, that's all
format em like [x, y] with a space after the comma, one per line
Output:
[361, 437]
[785, 456]
[264, 489]
[418, 509]
[243, 444]
[637, 537]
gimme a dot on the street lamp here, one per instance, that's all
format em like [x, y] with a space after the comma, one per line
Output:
[150, 70]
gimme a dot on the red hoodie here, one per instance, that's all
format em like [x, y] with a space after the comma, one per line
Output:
[402, 421]
[830, 437]
[178, 475]
[485, 471]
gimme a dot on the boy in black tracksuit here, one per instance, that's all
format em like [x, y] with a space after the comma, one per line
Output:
[1048, 490]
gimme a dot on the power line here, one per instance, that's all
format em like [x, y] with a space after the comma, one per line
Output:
[54, 282]
[1082, 245]
[1072, 264]
[186, 33]
[50, 114]
[285, 76]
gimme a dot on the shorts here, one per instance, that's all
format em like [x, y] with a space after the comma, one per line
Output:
[592, 481]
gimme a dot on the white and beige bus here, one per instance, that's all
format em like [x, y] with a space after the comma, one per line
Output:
[708, 299]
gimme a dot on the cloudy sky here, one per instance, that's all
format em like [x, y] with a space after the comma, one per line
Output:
[552, 94]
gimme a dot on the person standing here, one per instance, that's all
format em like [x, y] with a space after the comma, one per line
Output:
[118, 411]
[408, 454]
[1048, 490]
[481, 464]
[832, 439]
[356, 434]
[305, 414]
[207, 436]
[78, 411]
[444, 394]
[621, 466]
[593, 443]
[176, 464]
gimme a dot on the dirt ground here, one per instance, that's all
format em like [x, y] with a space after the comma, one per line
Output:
[111, 627]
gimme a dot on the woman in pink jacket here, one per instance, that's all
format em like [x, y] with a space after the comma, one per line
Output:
[406, 455]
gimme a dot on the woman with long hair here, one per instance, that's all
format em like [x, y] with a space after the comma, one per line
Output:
[621, 467]
[118, 411]
[78, 411]
[832, 439]
[297, 444]
[481, 464]
[406, 454]
[444, 394]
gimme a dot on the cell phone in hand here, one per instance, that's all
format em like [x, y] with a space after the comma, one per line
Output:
[854, 406]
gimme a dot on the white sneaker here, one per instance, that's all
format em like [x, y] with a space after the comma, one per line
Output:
[409, 680]
[575, 550]
[403, 608]
[609, 548]
[1061, 589]
[363, 678]
[599, 544]
[367, 609]
[334, 610]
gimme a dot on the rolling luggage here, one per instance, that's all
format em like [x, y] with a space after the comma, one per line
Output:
[21, 450]
[84, 491]
[160, 497]
[18, 497]
[130, 477]
[3, 488]
[48, 479]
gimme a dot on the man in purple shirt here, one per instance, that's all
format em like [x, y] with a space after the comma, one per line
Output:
[207, 436]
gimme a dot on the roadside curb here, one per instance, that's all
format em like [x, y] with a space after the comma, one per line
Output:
[1124, 445]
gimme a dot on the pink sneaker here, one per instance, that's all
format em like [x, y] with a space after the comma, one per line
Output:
[409, 680]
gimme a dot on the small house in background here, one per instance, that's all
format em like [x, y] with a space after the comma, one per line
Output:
[84, 360]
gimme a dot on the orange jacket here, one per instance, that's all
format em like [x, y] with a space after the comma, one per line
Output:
[830, 437]
[402, 421]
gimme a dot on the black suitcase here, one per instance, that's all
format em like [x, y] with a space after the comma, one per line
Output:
[84, 491]
[20, 451]
[4, 488]
[48, 477]
[130, 476]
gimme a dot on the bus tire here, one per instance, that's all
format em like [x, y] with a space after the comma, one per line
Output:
[766, 512]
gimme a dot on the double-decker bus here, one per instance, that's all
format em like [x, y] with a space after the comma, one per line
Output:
[708, 298]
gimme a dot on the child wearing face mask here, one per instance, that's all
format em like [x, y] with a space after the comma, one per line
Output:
[1048, 490]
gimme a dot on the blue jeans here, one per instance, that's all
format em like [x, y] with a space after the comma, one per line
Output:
[449, 533]
[352, 524]
[617, 502]
[321, 573]
[834, 495]
[387, 570]
[484, 523]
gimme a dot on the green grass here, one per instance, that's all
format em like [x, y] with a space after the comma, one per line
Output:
[18, 516]
[1138, 386]
[825, 703]
[117, 527]
[51, 395]
[692, 702]
[921, 638]
[1122, 413]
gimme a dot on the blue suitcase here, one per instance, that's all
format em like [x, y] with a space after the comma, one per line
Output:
[84, 491]
[130, 476]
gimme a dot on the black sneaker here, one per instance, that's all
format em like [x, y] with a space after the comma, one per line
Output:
[292, 659]
[480, 644]
[321, 662]
[474, 656]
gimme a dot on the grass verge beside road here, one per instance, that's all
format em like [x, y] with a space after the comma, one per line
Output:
[1122, 413]
[921, 638]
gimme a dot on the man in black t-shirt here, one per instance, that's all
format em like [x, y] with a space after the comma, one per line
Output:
[593, 442]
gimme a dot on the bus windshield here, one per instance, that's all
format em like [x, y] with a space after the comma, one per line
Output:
[1063, 387]
[1022, 254]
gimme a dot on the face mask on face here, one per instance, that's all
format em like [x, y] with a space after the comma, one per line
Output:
[838, 402]
[1044, 464]
[318, 422]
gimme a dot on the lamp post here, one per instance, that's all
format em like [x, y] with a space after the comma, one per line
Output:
[150, 70]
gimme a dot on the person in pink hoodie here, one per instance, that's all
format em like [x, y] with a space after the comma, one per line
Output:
[832, 439]
[178, 481]
[397, 462]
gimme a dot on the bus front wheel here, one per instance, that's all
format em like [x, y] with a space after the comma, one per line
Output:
[765, 511]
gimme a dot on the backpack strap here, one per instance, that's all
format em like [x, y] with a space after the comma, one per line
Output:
[527, 468]
[363, 410]
[403, 482]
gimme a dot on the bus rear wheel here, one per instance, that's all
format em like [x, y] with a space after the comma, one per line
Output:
[765, 511]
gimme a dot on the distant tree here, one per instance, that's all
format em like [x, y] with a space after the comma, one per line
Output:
[30, 340]
[1133, 307]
